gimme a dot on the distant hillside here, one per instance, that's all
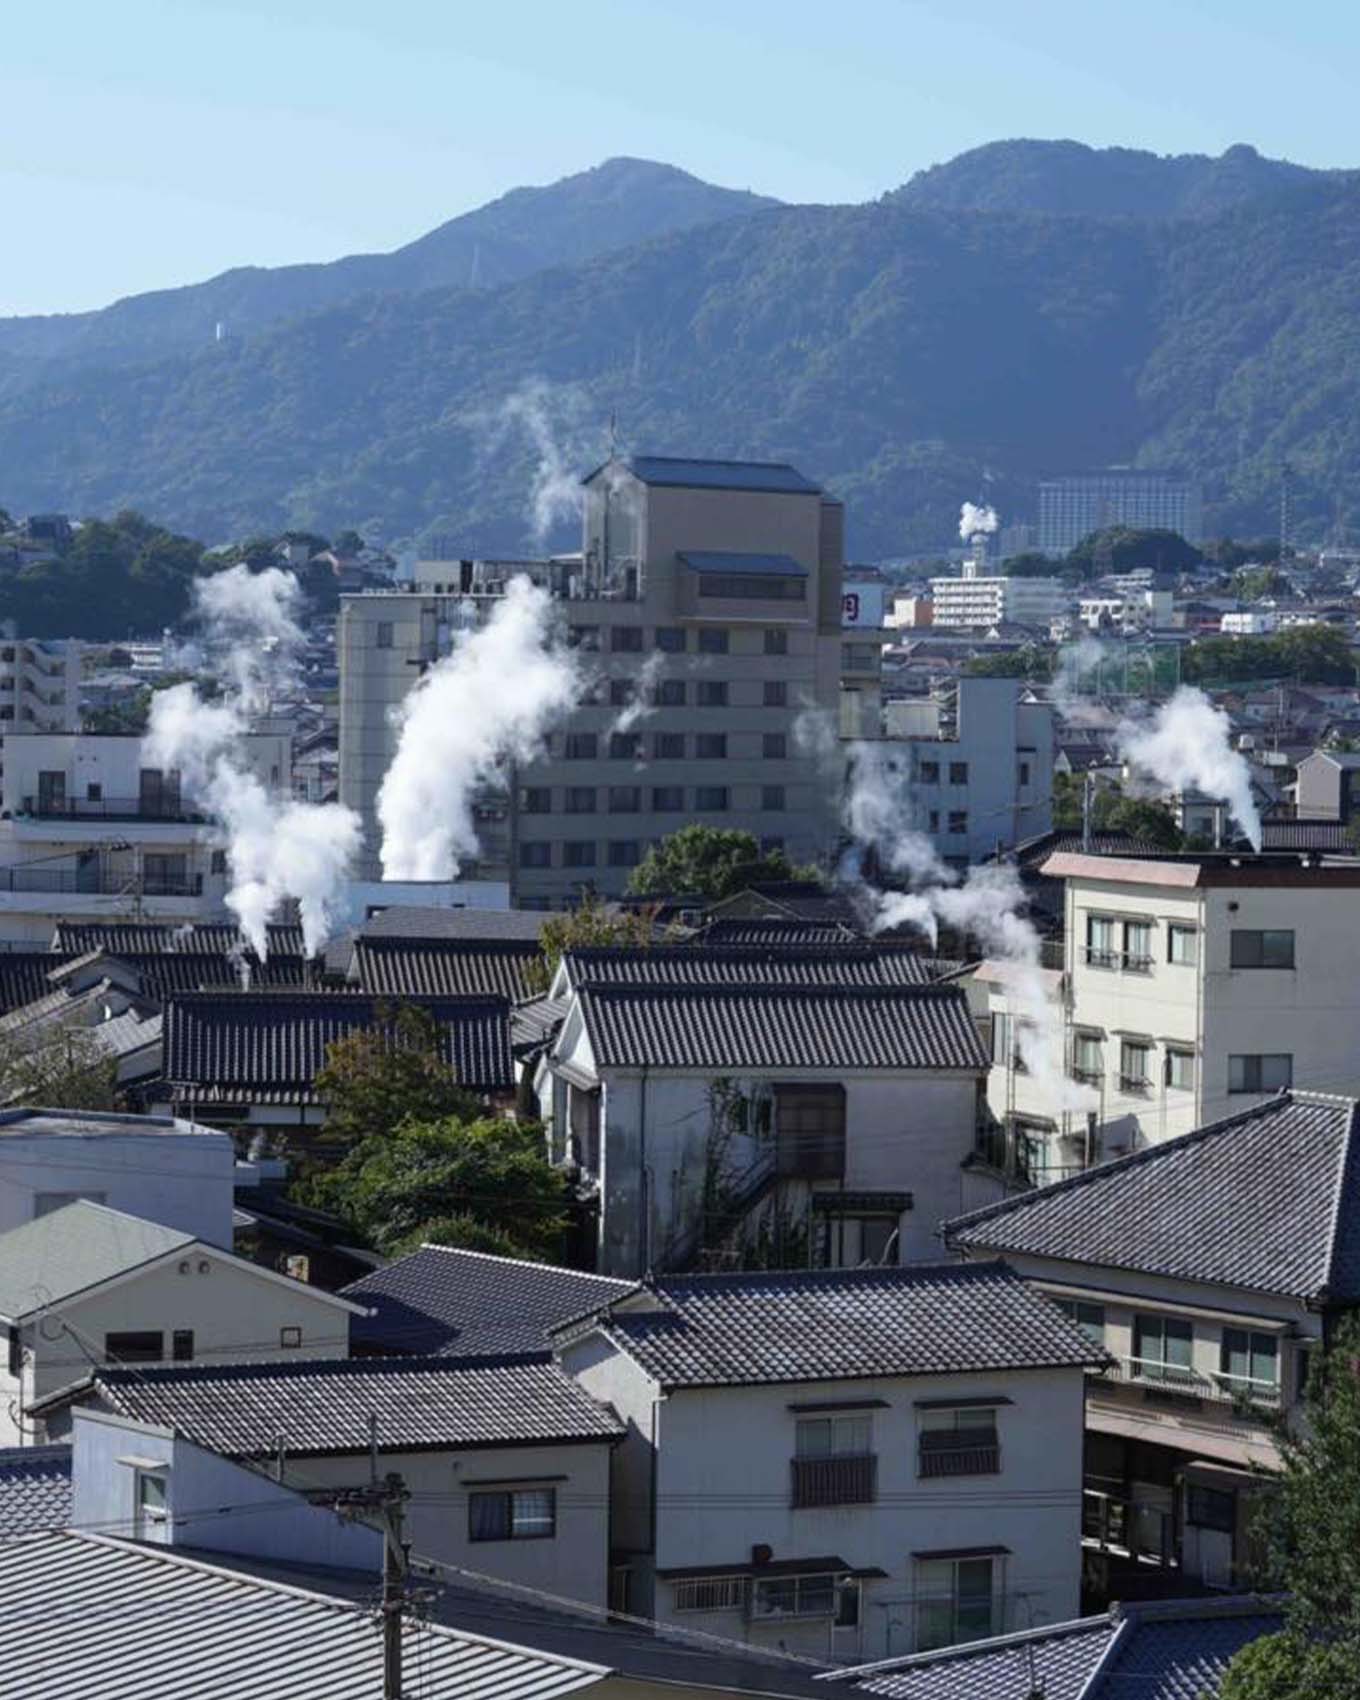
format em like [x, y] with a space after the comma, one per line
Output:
[612, 206]
[1073, 179]
[902, 355]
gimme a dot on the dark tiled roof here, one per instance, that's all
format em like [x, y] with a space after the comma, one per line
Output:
[1006, 1668]
[1177, 1659]
[440, 1299]
[776, 476]
[400, 967]
[23, 975]
[325, 1406]
[735, 930]
[858, 1027]
[1267, 1200]
[825, 1325]
[35, 1489]
[247, 1043]
[1034, 852]
[119, 937]
[1332, 835]
[162, 973]
[403, 922]
[827, 963]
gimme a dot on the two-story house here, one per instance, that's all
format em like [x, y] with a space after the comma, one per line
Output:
[1190, 986]
[85, 1285]
[846, 1463]
[821, 1098]
[1209, 1267]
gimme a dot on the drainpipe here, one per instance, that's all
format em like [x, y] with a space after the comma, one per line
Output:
[644, 1181]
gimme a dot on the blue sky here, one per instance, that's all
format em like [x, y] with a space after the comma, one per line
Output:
[145, 143]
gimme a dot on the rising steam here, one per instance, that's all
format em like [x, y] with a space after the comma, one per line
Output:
[562, 433]
[276, 848]
[492, 698]
[973, 519]
[1185, 746]
[641, 702]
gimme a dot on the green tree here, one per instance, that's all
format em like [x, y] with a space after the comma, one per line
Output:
[463, 1232]
[1254, 583]
[1030, 662]
[710, 862]
[1142, 818]
[591, 923]
[348, 543]
[426, 1177]
[1124, 549]
[391, 1072]
[66, 1067]
[1309, 1527]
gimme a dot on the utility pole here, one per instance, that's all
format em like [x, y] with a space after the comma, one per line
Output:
[388, 1499]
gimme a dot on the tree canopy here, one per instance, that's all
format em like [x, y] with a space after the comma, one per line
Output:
[1317, 654]
[1031, 662]
[1124, 549]
[391, 1072]
[1111, 811]
[710, 862]
[592, 922]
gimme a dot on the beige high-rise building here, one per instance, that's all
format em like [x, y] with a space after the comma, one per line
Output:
[728, 573]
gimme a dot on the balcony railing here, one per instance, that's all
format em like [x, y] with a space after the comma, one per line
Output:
[982, 1459]
[1181, 1378]
[95, 883]
[848, 1480]
[1123, 1526]
[109, 808]
[1101, 958]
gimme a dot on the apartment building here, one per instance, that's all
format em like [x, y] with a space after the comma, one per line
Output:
[39, 687]
[1209, 1267]
[88, 832]
[988, 601]
[723, 580]
[1187, 987]
[978, 760]
[1072, 507]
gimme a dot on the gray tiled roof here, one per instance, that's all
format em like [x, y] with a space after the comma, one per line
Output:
[242, 1044]
[162, 972]
[826, 963]
[1267, 1200]
[216, 938]
[35, 1489]
[324, 1406]
[441, 1299]
[854, 1027]
[1006, 1668]
[404, 922]
[100, 1616]
[824, 1325]
[69, 1250]
[23, 975]
[761, 475]
[400, 967]
[1177, 1659]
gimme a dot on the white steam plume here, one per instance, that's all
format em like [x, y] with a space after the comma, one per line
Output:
[640, 704]
[1184, 746]
[493, 697]
[562, 436]
[1076, 662]
[276, 848]
[973, 519]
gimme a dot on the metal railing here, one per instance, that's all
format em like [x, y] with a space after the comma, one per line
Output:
[979, 1459]
[1182, 1378]
[1125, 1527]
[109, 808]
[94, 883]
[848, 1480]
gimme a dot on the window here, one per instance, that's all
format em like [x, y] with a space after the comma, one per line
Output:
[668, 746]
[776, 641]
[158, 793]
[710, 799]
[1135, 1065]
[1022, 773]
[1180, 1070]
[182, 1345]
[958, 773]
[668, 799]
[833, 1462]
[958, 1441]
[217, 863]
[772, 798]
[670, 693]
[929, 773]
[1249, 1363]
[581, 746]
[934, 820]
[1090, 1318]
[625, 640]
[752, 587]
[578, 853]
[16, 1351]
[794, 1596]
[1163, 1350]
[1100, 942]
[383, 634]
[712, 640]
[711, 693]
[140, 1346]
[1269, 949]
[956, 1600]
[535, 855]
[776, 694]
[584, 637]
[1138, 946]
[958, 820]
[1211, 1508]
[834, 1437]
[774, 746]
[1182, 945]
[94, 793]
[625, 799]
[620, 693]
[151, 1505]
[1088, 1064]
[710, 746]
[670, 640]
[710, 1593]
[580, 800]
[290, 1335]
[625, 746]
[537, 800]
[520, 1514]
[624, 853]
[1270, 1073]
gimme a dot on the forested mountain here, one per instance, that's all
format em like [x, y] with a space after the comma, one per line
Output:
[908, 357]
[612, 206]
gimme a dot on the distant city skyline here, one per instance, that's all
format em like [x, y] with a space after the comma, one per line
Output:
[154, 144]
